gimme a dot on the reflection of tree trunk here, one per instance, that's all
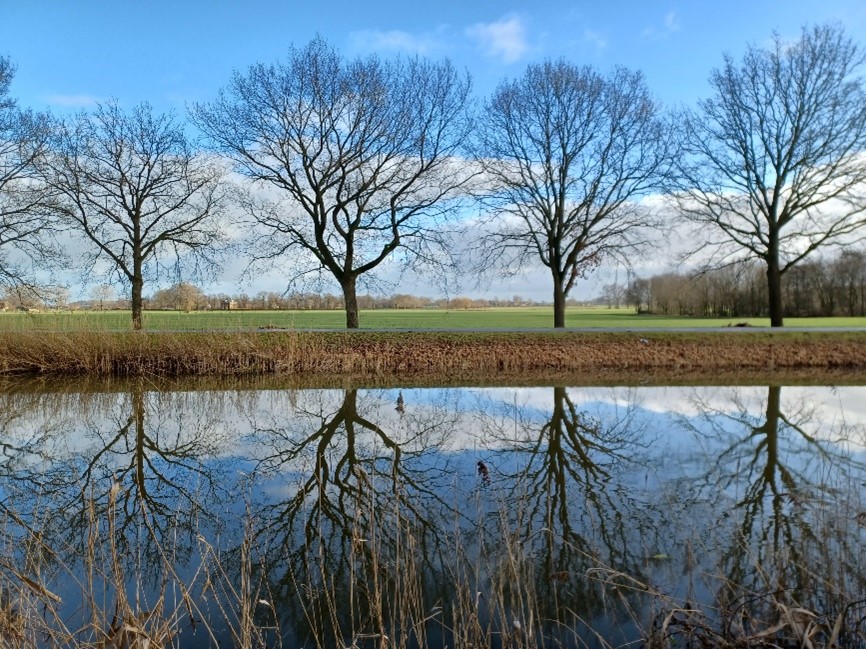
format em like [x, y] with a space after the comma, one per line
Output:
[140, 441]
[770, 427]
[771, 534]
[363, 518]
[774, 411]
[342, 480]
[560, 395]
[565, 500]
[772, 469]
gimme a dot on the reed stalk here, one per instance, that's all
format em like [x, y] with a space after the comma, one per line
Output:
[418, 354]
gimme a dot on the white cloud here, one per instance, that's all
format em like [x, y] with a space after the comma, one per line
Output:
[73, 101]
[671, 22]
[669, 25]
[505, 38]
[395, 40]
[595, 38]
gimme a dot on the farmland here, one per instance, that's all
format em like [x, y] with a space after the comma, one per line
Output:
[491, 318]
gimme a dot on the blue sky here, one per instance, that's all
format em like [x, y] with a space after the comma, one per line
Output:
[70, 54]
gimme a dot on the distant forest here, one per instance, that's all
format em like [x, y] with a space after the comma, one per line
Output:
[834, 286]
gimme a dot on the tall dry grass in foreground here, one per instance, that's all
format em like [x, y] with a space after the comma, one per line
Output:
[480, 586]
[102, 593]
[365, 353]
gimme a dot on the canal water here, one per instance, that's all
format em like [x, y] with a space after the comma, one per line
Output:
[137, 515]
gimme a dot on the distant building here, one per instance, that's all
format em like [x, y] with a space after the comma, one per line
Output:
[228, 305]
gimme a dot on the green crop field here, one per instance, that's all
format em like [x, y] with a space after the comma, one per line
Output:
[493, 318]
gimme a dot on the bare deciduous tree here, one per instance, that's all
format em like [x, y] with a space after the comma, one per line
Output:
[570, 153]
[133, 185]
[26, 232]
[360, 153]
[102, 293]
[775, 167]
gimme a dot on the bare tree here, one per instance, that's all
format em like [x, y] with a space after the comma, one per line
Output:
[133, 185]
[101, 294]
[613, 294]
[361, 153]
[26, 232]
[850, 268]
[774, 167]
[570, 153]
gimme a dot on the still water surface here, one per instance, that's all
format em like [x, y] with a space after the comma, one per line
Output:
[545, 516]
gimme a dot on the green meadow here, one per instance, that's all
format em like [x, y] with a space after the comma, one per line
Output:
[491, 318]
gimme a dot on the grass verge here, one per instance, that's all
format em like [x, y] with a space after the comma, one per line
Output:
[500, 318]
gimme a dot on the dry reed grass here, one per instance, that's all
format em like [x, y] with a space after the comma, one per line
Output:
[382, 599]
[419, 354]
[108, 600]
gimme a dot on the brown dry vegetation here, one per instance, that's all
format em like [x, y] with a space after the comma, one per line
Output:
[456, 355]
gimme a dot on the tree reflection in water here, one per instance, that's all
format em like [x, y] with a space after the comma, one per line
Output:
[163, 460]
[568, 514]
[788, 484]
[361, 530]
[354, 519]
[114, 491]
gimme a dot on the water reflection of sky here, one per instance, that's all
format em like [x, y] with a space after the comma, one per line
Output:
[637, 479]
[230, 417]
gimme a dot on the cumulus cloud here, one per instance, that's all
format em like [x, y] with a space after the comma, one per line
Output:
[73, 101]
[671, 22]
[504, 38]
[669, 25]
[595, 38]
[395, 40]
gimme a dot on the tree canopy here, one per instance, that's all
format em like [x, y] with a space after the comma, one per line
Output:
[774, 166]
[26, 230]
[134, 186]
[570, 152]
[358, 155]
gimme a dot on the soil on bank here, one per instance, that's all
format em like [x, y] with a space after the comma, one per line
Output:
[419, 354]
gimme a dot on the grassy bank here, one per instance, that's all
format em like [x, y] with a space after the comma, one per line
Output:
[421, 354]
[492, 318]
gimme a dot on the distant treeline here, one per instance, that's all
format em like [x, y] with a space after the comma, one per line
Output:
[834, 286]
[186, 296]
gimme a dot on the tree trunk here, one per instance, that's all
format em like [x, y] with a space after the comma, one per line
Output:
[774, 288]
[862, 299]
[558, 302]
[140, 437]
[558, 415]
[771, 430]
[137, 274]
[137, 288]
[350, 299]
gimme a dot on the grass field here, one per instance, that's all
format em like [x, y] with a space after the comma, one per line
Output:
[494, 318]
